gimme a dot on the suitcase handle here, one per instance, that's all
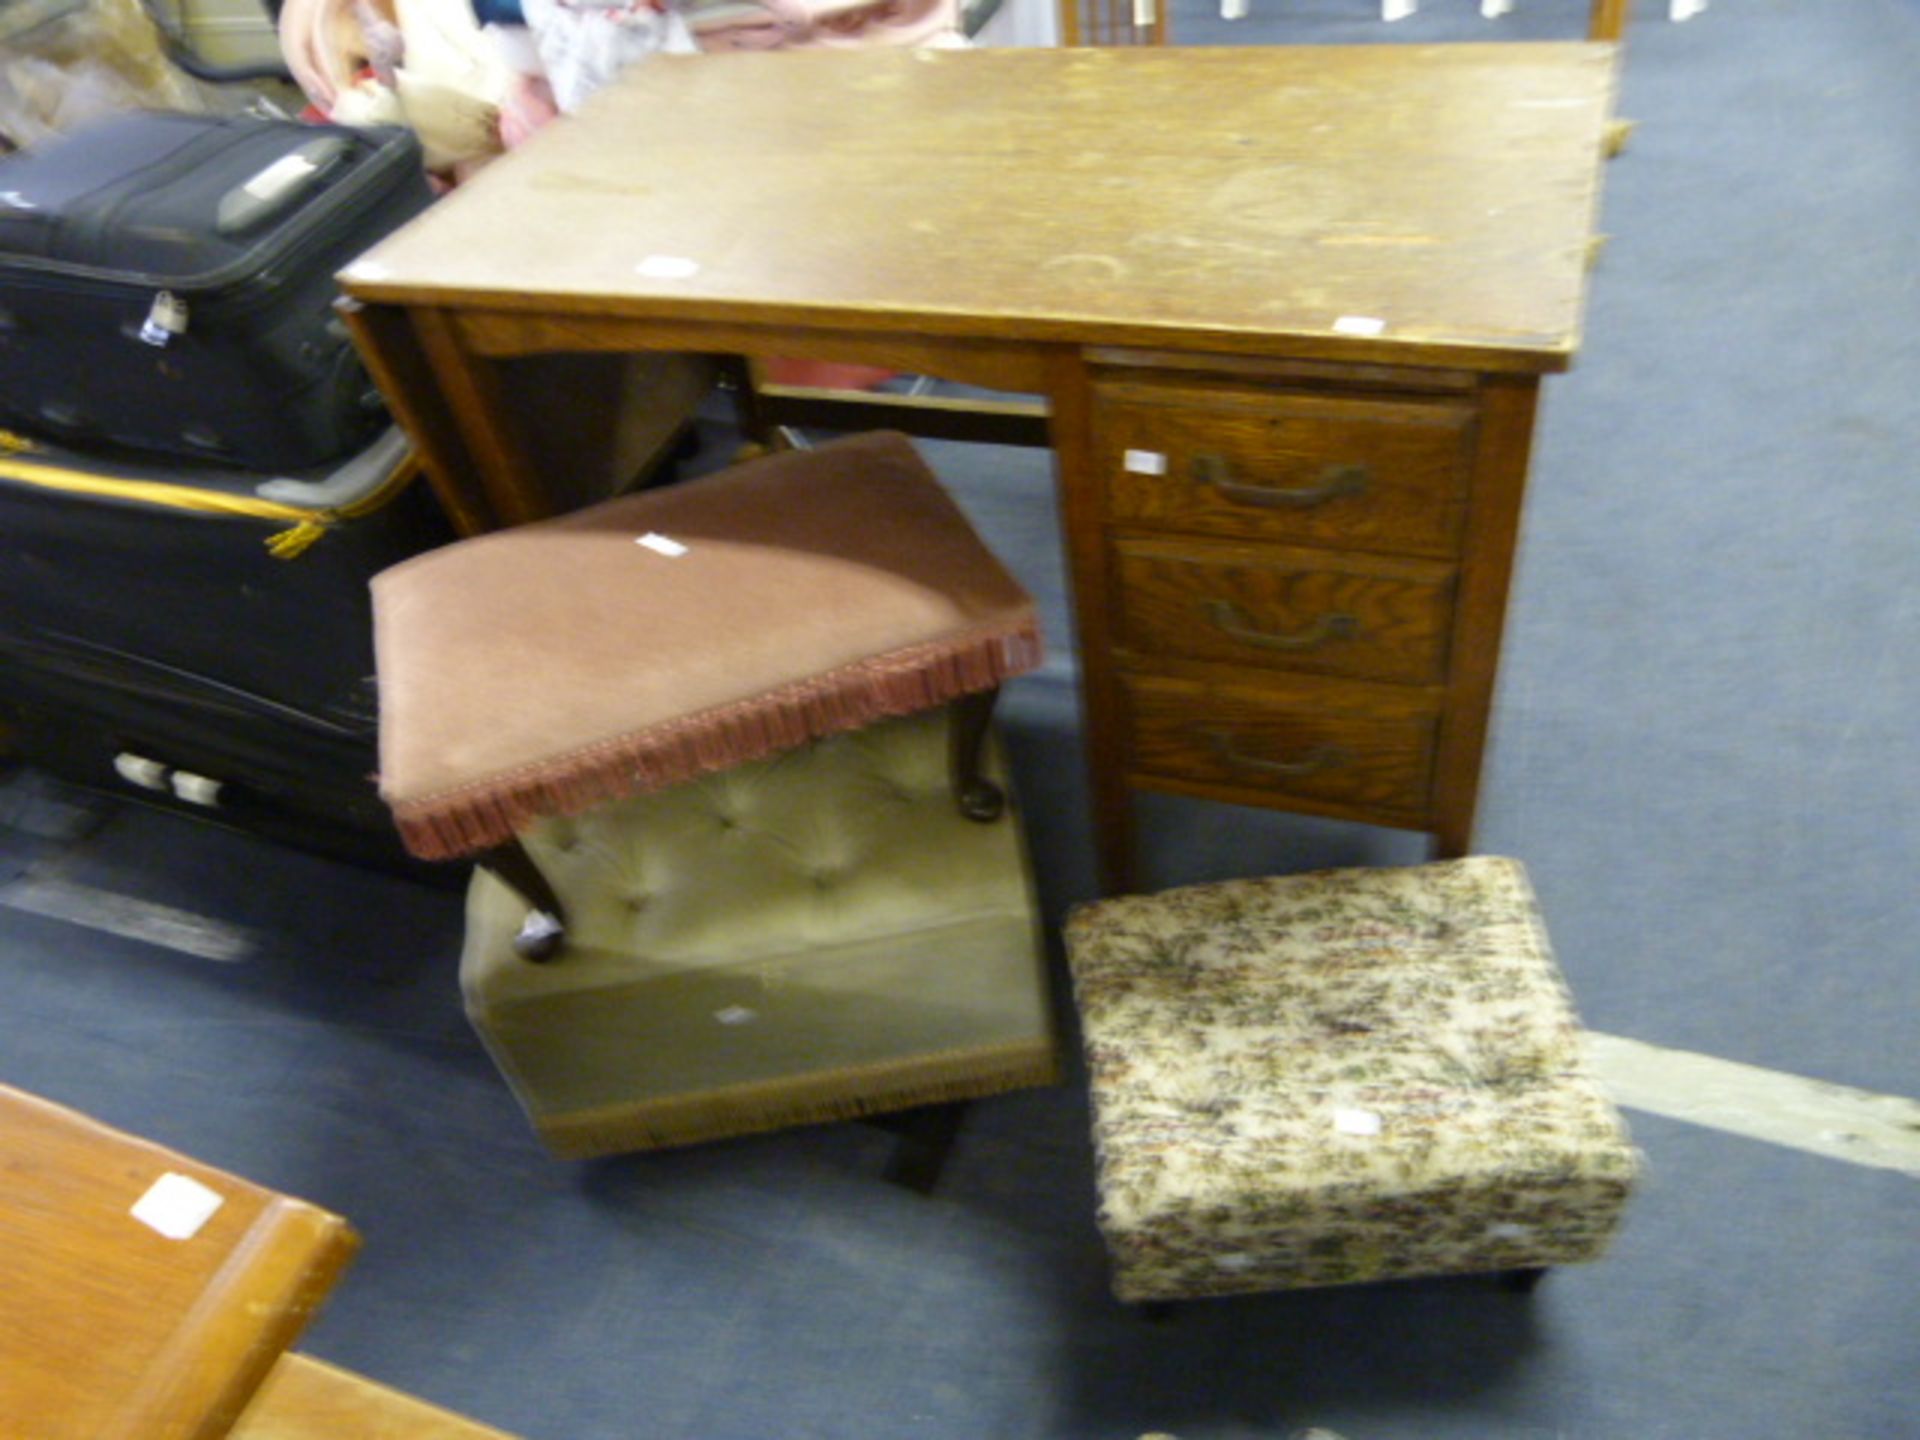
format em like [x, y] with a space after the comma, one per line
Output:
[279, 185]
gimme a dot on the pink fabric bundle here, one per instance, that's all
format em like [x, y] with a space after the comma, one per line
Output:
[821, 24]
[418, 63]
[324, 44]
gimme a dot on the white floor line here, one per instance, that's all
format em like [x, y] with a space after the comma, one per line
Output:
[125, 916]
[1837, 1121]
[1832, 1120]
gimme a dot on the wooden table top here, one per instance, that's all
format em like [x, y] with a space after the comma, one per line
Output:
[1443, 196]
[108, 1328]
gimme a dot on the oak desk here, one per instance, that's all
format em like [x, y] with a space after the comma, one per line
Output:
[1287, 311]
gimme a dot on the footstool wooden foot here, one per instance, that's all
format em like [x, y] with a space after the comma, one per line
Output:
[1524, 1281]
[926, 1138]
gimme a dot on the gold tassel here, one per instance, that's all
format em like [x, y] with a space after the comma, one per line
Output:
[294, 542]
[288, 544]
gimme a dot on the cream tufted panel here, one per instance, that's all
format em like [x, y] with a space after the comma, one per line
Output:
[816, 935]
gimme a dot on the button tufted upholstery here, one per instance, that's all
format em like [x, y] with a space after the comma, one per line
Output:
[812, 936]
[1344, 1076]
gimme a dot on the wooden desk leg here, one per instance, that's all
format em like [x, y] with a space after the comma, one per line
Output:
[1607, 20]
[1504, 446]
[387, 344]
[470, 389]
[1082, 498]
[743, 375]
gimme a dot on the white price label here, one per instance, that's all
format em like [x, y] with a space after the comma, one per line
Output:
[177, 1206]
[668, 267]
[1359, 325]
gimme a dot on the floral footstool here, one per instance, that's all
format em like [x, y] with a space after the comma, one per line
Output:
[1345, 1076]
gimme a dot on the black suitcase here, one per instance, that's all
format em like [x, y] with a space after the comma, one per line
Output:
[201, 638]
[167, 283]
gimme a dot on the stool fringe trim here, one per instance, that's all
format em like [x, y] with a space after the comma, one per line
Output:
[478, 816]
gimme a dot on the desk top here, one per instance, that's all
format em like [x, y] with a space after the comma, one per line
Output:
[1199, 199]
[108, 1327]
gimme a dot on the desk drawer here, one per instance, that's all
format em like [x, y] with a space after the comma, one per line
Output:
[1255, 464]
[1371, 617]
[1351, 747]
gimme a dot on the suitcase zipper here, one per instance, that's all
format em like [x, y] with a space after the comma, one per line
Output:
[306, 527]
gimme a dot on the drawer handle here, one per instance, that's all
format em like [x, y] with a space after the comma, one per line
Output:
[1234, 621]
[1335, 482]
[1321, 757]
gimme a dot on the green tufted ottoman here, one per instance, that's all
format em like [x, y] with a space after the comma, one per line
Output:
[1345, 1076]
[811, 937]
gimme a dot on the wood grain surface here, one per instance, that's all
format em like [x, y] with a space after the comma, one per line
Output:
[1272, 607]
[307, 1399]
[1367, 749]
[110, 1330]
[1314, 288]
[1301, 469]
[1380, 202]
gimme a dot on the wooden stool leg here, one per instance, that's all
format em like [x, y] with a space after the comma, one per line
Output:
[971, 716]
[545, 928]
[1607, 20]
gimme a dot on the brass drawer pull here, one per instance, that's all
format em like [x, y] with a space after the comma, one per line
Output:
[1234, 621]
[1321, 757]
[1335, 482]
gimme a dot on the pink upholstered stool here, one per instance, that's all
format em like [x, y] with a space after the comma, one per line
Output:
[646, 641]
